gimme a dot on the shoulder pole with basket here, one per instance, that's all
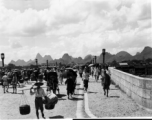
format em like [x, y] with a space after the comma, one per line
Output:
[24, 106]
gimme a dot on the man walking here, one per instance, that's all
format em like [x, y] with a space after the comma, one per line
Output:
[5, 82]
[39, 93]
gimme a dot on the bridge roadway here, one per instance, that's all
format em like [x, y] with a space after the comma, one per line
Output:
[74, 108]
[118, 104]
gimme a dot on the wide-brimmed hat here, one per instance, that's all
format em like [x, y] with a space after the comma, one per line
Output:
[38, 84]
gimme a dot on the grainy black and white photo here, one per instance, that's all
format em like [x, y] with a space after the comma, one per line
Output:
[75, 59]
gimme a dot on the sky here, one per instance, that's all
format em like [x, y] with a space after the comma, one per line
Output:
[76, 27]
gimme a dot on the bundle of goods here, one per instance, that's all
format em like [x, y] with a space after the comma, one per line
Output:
[52, 99]
[21, 80]
[24, 107]
[26, 78]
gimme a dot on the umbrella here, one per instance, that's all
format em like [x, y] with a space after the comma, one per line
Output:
[90, 65]
[75, 66]
[38, 84]
[74, 70]
[69, 68]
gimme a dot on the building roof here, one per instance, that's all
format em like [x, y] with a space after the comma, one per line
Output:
[123, 63]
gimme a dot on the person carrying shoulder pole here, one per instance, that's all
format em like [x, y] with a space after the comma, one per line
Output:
[39, 94]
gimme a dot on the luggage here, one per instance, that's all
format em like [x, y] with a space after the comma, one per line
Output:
[24, 106]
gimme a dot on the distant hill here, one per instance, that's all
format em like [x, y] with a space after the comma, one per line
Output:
[47, 57]
[108, 57]
[123, 54]
[87, 58]
[146, 53]
[38, 56]
[78, 60]
[66, 58]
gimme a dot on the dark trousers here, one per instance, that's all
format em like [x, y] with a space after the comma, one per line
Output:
[85, 82]
[39, 105]
[80, 75]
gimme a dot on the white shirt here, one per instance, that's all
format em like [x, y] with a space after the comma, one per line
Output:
[85, 76]
[39, 93]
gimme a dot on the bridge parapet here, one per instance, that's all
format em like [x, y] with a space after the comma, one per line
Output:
[138, 88]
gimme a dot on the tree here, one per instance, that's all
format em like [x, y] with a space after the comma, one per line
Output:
[114, 63]
[149, 60]
[11, 66]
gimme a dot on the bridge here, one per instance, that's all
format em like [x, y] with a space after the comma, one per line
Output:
[138, 88]
[92, 104]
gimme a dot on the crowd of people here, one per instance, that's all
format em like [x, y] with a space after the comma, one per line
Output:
[53, 77]
[95, 72]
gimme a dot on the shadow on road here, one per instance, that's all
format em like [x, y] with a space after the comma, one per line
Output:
[12, 93]
[62, 99]
[114, 96]
[78, 84]
[79, 94]
[92, 92]
[114, 89]
[56, 117]
[61, 95]
[80, 88]
[76, 99]
[21, 86]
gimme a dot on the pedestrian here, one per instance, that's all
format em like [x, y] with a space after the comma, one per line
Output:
[74, 80]
[80, 72]
[14, 83]
[5, 82]
[105, 82]
[96, 73]
[85, 77]
[92, 69]
[69, 82]
[60, 76]
[39, 94]
[9, 75]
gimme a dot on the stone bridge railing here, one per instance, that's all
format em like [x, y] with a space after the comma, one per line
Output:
[138, 88]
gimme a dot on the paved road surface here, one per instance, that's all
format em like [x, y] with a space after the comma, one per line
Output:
[9, 105]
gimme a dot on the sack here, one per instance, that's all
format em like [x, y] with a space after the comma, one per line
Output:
[21, 81]
[52, 98]
[24, 106]
[49, 106]
[24, 109]
[44, 101]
